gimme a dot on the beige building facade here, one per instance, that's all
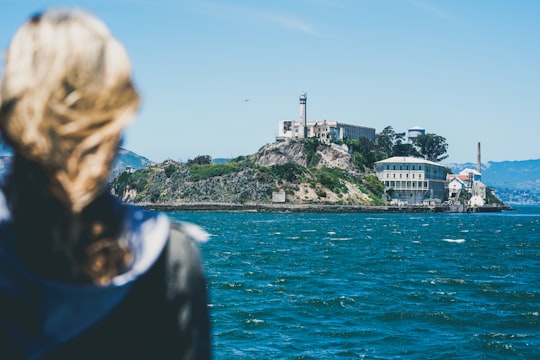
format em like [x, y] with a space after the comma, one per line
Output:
[412, 181]
[326, 131]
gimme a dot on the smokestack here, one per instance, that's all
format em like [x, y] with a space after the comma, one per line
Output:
[478, 160]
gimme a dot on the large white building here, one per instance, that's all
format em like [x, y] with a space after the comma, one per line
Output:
[326, 131]
[413, 181]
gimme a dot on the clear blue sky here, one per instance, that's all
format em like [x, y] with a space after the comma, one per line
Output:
[468, 70]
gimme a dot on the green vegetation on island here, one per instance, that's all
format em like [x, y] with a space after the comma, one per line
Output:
[247, 179]
[242, 180]
[296, 172]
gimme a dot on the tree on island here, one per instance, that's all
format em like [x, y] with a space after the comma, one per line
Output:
[364, 153]
[200, 160]
[386, 140]
[392, 143]
[431, 147]
[404, 149]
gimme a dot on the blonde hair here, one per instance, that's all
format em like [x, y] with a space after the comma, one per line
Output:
[66, 96]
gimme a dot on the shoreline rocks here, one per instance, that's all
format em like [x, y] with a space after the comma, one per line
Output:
[302, 208]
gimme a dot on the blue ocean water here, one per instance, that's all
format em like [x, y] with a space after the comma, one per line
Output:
[373, 286]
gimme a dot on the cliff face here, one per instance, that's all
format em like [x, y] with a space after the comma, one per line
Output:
[335, 156]
[279, 153]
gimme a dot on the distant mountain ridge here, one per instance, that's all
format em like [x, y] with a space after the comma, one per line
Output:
[128, 159]
[125, 159]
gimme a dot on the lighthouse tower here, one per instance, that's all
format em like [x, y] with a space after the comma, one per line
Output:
[302, 123]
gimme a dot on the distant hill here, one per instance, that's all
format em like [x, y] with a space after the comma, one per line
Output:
[220, 161]
[127, 158]
[124, 160]
[514, 181]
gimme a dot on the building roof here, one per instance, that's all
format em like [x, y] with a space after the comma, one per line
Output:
[407, 160]
[457, 176]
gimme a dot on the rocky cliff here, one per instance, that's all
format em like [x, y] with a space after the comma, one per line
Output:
[302, 172]
[279, 153]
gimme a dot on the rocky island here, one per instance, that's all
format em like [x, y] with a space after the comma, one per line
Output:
[288, 176]
[279, 175]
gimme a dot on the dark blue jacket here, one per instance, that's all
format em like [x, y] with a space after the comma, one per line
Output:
[157, 310]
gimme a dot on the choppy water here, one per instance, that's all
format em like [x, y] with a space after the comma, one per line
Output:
[373, 286]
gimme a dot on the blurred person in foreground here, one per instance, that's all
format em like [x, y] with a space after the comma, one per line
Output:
[83, 276]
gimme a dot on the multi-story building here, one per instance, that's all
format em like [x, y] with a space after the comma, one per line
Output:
[325, 131]
[413, 181]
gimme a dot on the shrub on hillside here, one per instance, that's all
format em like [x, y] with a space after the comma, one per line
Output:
[134, 180]
[291, 172]
[201, 172]
[374, 185]
[310, 146]
[330, 178]
[170, 169]
[200, 160]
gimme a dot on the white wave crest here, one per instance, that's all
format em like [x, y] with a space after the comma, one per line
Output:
[458, 241]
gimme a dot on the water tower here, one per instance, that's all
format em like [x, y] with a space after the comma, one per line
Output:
[413, 133]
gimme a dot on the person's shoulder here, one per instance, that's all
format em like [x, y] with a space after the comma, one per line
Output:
[184, 231]
[184, 240]
[5, 213]
[186, 289]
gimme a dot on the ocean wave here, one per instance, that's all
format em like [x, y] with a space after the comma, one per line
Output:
[457, 241]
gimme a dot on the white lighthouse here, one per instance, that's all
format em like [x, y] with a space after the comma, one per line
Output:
[302, 123]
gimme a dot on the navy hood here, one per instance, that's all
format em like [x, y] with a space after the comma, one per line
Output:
[38, 314]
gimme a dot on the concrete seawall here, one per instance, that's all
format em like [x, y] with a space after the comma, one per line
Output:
[308, 208]
[292, 208]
